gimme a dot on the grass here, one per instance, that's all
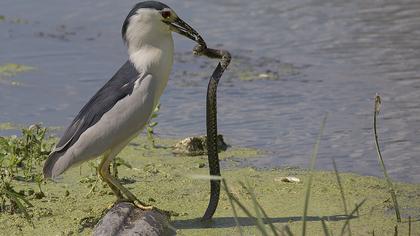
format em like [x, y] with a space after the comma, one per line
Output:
[258, 221]
[311, 168]
[343, 197]
[381, 160]
[327, 231]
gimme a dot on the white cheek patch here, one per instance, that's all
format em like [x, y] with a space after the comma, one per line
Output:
[141, 24]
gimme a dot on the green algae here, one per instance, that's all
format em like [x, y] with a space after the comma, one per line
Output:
[9, 126]
[166, 181]
[17, 127]
[11, 70]
[13, 20]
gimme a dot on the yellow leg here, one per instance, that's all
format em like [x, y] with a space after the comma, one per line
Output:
[114, 189]
[116, 186]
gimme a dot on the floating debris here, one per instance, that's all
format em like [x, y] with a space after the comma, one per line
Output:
[288, 179]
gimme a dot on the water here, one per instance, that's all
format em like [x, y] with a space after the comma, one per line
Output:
[330, 56]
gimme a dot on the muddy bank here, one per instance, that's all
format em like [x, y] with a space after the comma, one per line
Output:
[75, 204]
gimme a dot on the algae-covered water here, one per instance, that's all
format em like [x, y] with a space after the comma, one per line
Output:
[167, 181]
[293, 61]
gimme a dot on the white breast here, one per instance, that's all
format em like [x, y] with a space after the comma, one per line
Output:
[156, 62]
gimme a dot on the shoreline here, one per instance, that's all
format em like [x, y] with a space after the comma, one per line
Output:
[73, 205]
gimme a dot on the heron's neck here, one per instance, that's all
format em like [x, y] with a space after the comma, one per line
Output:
[156, 59]
[152, 53]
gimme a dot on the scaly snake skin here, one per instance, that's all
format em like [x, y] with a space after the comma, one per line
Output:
[211, 117]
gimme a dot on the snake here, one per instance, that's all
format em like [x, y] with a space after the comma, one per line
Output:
[211, 122]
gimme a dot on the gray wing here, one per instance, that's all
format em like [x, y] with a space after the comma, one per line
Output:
[118, 87]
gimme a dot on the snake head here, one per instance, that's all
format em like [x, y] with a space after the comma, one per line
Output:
[199, 49]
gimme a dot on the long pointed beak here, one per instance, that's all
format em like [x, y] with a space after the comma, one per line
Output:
[184, 29]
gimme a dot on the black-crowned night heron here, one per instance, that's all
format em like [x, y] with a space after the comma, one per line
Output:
[122, 107]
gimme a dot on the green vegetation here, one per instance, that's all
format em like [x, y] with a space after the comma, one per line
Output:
[151, 125]
[164, 180]
[20, 161]
[8, 126]
[381, 160]
[14, 20]
[309, 182]
[11, 70]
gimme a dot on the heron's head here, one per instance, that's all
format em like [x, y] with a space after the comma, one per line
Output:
[151, 21]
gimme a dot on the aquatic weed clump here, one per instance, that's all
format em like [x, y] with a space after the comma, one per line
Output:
[22, 156]
[21, 159]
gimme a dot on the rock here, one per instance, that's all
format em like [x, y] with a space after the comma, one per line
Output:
[126, 219]
[196, 146]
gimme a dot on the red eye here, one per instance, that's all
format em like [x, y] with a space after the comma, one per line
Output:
[166, 14]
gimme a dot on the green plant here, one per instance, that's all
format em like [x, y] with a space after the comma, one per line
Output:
[151, 125]
[93, 178]
[312, 166]
[23, 155]
[258, 220]
[21, 159]
[343, 198]
[381, 160]
[10, 200]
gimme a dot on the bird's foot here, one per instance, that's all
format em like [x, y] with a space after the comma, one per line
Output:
[136, 203]
[145, 207]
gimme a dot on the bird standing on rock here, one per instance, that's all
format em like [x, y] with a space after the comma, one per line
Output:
[123, 106]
